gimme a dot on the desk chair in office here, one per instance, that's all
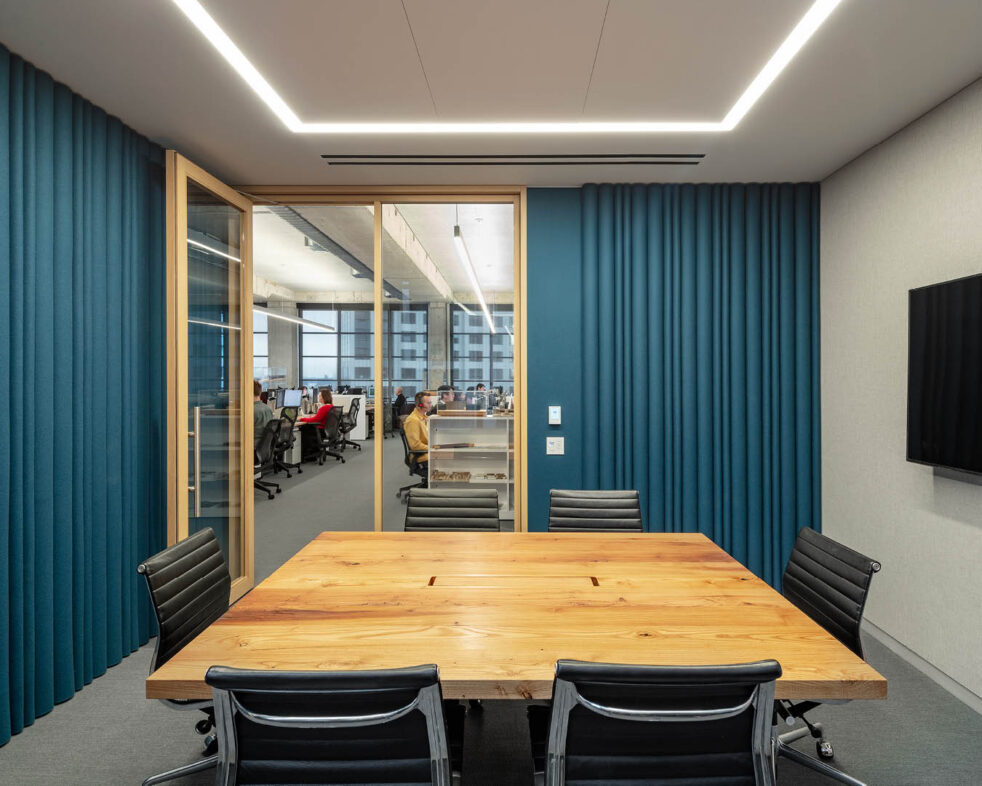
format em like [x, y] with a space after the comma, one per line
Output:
[265, 457]
[331, 727]
[635, 725]
[452, 510]
[330, 437]
[189, 586]
[348, 421]
[594, 511]
[284, 442]
[830, 583]
[416, 467]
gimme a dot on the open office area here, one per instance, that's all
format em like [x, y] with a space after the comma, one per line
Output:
[491, 394]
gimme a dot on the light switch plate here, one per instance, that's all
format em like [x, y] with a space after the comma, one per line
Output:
[555, 446]
[555, 415]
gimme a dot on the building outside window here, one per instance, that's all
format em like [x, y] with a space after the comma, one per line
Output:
[480, 356]
[347, 357]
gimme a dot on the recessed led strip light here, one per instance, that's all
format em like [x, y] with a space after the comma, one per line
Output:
[810, 22]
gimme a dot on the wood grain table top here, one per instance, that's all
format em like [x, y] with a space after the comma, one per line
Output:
[496, 610]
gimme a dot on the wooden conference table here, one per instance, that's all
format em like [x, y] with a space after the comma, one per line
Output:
[495, 612]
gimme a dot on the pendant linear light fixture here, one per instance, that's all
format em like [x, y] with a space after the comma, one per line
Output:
[798, 37]
[465, 263]
[297, 320]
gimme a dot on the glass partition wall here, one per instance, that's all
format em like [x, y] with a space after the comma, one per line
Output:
[387, 300]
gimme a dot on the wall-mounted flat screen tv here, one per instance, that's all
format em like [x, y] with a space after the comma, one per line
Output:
[944, 375]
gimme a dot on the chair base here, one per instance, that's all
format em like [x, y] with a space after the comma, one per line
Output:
[333, 454]
[349, 442]
[814, 764]
[180, 772]
[268, 488]
[286, 466]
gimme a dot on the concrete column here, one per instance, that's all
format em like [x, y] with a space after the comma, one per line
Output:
[284, 341]
[438, 347]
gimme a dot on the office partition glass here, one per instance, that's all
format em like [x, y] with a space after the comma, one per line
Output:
[448, 283]
[209, 436]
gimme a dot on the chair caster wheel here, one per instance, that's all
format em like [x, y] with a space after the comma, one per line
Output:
[203, 726]
[271, 496]
[824, 749]
[279, 491]
[299, 471]
[211, 745]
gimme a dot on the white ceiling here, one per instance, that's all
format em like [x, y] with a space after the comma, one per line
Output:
[871, 68]
[282, 258]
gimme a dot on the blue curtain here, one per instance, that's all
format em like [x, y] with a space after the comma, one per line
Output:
[701, 338]
[82, 446]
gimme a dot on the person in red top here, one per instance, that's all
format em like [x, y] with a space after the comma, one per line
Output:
[323, 410]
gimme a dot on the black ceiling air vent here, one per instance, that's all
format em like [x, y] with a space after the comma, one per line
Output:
[515, 159]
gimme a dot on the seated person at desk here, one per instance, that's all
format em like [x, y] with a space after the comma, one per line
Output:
[446, 397]
[417, 428]
[399, 403]
[261, 413]
[326, 404]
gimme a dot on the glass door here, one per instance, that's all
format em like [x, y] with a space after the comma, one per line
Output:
[210, 426]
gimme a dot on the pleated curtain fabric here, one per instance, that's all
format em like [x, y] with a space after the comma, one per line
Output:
[82, 444]
[701, 334]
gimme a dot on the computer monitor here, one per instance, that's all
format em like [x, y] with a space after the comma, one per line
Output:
[291, 398]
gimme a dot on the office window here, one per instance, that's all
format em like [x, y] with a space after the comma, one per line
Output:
[480, 355]
[346, 357]
[260, 345]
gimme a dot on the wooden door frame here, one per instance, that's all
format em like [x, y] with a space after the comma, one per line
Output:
[377, 195]
[178, 171]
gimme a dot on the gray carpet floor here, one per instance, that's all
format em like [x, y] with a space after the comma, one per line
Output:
[110, 734]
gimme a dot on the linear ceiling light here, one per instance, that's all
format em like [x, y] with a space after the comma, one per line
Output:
[465, 262]
[810, 22]
[463, 307]
[297, 320]
[214, 323]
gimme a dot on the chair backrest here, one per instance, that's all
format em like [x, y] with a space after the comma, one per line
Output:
[452, 510]
[267, 443]
[830, 583]
[594, 511]
[350, 417]
[327, 727]
[409, 459]
[630, 725]
[332, 425]
[189, 587]
[284, 437]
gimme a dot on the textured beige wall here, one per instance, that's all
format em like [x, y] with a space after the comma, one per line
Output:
[905, 214]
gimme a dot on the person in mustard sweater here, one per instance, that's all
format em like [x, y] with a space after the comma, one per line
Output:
[417, 427]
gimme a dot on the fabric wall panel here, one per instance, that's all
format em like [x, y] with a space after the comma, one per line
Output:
[82, 340]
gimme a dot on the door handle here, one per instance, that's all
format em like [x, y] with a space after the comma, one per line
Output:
[196, 488]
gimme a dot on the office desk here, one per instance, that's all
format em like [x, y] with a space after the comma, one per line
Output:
[496, 610]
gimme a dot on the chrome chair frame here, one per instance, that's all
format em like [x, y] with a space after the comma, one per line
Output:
[565, 697]
[428, 701]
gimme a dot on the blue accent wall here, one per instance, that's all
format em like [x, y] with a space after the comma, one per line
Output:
[678, 327]
[82, 439]
[554, 283]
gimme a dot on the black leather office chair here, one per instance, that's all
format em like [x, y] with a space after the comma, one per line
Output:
[189, 586]
[348, 421]
[830, 583]
[594, 511]
[329, 438]
[637, 725]
[452, 510]
[265, 458]
[284, 442]
[416, 467]
[323, 727]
